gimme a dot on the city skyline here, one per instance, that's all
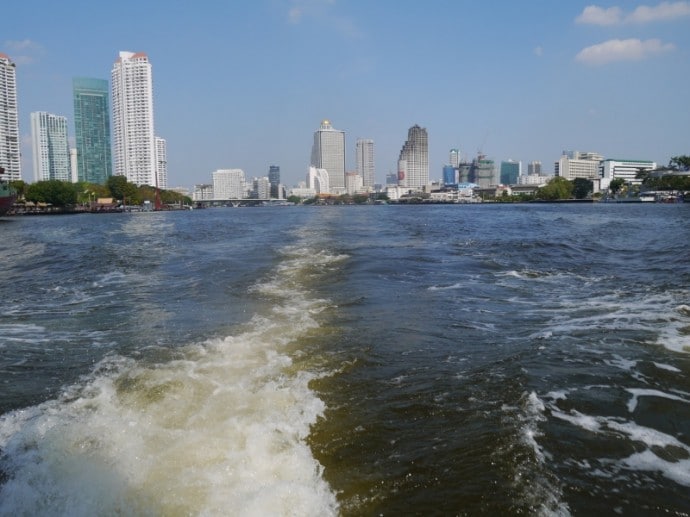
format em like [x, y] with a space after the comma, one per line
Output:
[520, 81]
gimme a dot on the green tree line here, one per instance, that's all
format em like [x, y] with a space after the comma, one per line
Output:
[64, 194]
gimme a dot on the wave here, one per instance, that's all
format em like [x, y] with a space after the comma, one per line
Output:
[220, 428]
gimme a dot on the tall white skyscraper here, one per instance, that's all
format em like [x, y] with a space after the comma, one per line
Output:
[328, 152]
[134, 144]
[50, 147]
[161, 163]
[365, 161]
[9, 121]
[413, 163]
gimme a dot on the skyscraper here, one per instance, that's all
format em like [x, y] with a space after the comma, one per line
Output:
[413, 163]
[454, 157]
[161, 163]
[92, 129]
[50, 147]
[328, 152]
[365, 161]
[9, 121]
[510, 170]
[134, 145]
[274, 180]
[534, 168]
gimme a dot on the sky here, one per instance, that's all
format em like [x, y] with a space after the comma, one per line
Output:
[244, 84]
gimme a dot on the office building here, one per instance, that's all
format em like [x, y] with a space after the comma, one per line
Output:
[134, 144]
[161, 163]
[274, 180]
[328, 152]
[228, 184]
[510, 170]
[354, 183]
[454, 158]
[413, 162]
[574, 164]
[261, 188]
[449, 175]
[365, 161]
[203, 192]
[534, 168]
[10, 158]
[92, 129]
[50, 147]
[628, 170]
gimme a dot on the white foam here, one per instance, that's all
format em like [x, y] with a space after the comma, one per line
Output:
[219, 431]
[638, 392]
[667, 367]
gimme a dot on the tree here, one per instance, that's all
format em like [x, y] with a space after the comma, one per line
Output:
[582, 187]
[556, 188]
[121, 189]
[681, 163]
[54, 192]
[616, 184]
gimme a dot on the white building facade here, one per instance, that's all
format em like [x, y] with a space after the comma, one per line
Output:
[365, 161]
[228, 184]
[623, 169]
[574, 164]
[10, 157]
[203, 192]
[413, 163]
[134, 143]
[161, 163]
[328, 152]
[319, 180]
[50, 147]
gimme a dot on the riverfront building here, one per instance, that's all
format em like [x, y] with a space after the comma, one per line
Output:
[413, 162]
[9, 121]
[161, 163]
[328, 152]
[134, 144]
[574, 164]
[319, 180]
[454, 157]
[510, 171]
[50, 147]
[92, 129]
[625, 169]
[365, 162]
[274, 180]
[228, 184]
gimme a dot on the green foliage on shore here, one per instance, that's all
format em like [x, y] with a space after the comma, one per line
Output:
[557, 188]
[64, 194]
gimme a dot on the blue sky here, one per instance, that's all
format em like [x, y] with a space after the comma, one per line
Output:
[245, 84]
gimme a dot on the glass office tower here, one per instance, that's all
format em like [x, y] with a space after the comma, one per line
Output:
[92, 129]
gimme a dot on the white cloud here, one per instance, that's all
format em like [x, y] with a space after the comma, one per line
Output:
[665, 11]
[324, 12]
[622, 50]
[23, 52]
[594, 15]
[662, 12]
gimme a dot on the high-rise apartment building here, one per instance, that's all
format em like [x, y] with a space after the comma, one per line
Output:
[92, 129]
[134, 144]
[365, 162]
[161, 163]
[50, 147]
[413, 163]
[274, 180]
[328, 152]
[9, 121]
